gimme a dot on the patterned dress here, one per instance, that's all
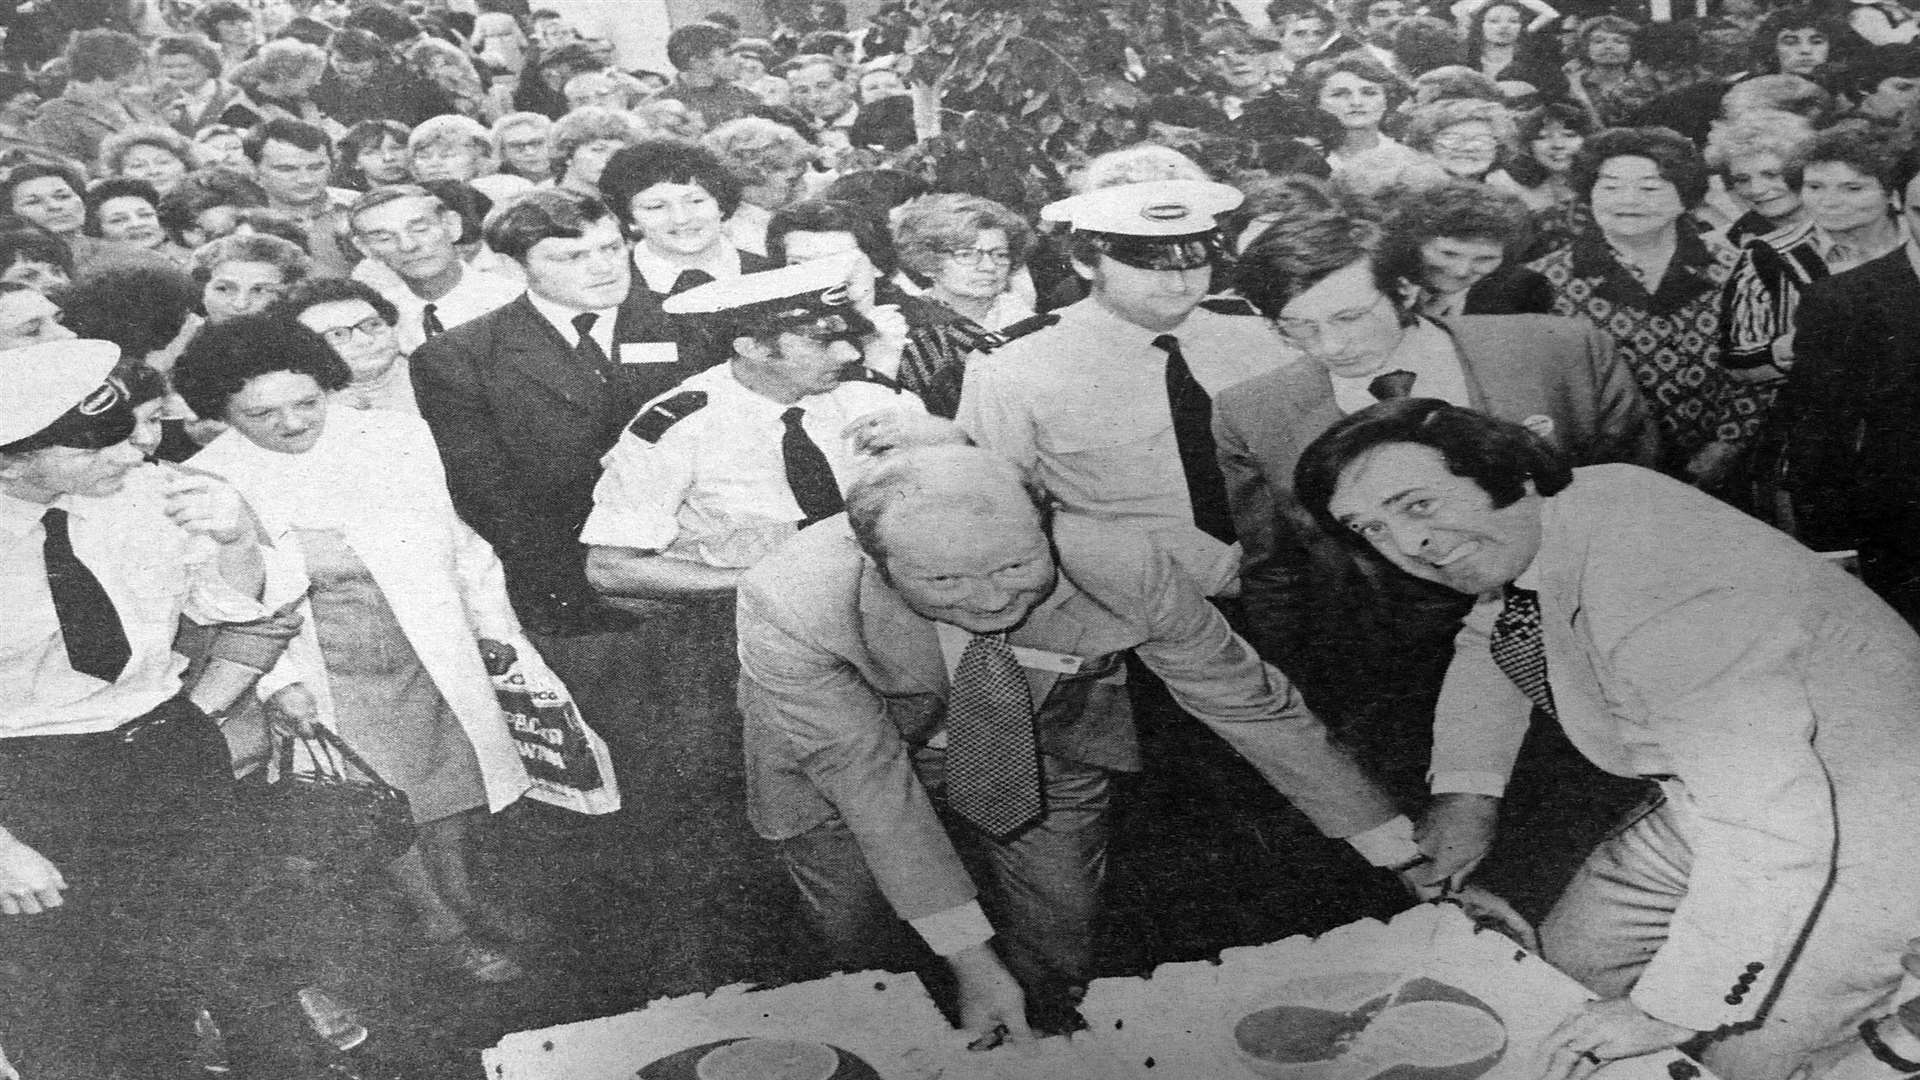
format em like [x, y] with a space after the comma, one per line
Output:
[1669, 337]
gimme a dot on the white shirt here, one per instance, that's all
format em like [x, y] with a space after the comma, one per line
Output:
[151, 570]
[476, 293]
[1083, 403]
[561, 317]
[721, 261]
[1427, 350]
[714, 488]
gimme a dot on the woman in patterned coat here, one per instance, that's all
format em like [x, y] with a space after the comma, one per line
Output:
[1650, 279]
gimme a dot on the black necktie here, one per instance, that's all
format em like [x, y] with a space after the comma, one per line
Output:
[689, 279]
[1391, 385]
[993, 759]
[430, 320]
[1193, 434]
[588, 350]
[808, 473]
[1518, 648]
[96, 642]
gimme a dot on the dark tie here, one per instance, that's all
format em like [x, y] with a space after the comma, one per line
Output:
[1391, 385]
[993, 759]
[430, 320]
[689, 279]
[96, 642]
[1518, 649]
[808, 473]
[1193, 434]
[588, 350]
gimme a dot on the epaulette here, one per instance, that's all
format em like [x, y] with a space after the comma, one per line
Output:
[1015, 331]
[863, 373]
[654, 422]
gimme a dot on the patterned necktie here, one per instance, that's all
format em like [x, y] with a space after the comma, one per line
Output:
[808, 473]
[588, 350]
[1192, 410]
[1518, 649]
[1391, 385]
[96, 641]
[430, 323]
[993, 758]
[689, 279]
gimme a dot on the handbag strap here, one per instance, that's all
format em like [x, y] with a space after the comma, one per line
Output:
[331, 739]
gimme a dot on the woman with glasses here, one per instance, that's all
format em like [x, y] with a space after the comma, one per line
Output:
[967, 249]
[1467, 138]
[357, 323]
[1651, 279]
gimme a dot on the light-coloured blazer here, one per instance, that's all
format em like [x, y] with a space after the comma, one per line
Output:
[839, 678]
[376, 476]
[1774, 694]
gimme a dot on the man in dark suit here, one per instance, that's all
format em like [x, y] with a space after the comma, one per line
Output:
[1369, 645]
[936, 703]
[523, 402]
[1854, 452]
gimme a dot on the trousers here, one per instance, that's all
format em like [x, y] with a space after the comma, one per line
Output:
[1040, 889]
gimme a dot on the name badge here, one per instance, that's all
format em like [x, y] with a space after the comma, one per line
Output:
[1042, 660]
[647, 352]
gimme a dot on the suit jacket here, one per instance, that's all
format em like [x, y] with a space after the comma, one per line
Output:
[521, 427]
[1306, 590]
[1773, 693]
[839, 678]
[1853, 453]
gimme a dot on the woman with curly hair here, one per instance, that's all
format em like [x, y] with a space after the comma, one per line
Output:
[1601, 73]
[245, 272]
[1455, 245]
[448, 67]
[1500, 47]
[1750, 152]
[158, 155]
[770, 160]
[372, 153]
[968, 249]
[1468, 139]
[1648, 277]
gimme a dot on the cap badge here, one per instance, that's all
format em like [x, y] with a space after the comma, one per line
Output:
[109, 394]
[1165, 211]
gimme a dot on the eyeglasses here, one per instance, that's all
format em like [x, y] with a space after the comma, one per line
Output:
[372, 326]
[1465, 142]
[975, 256]
[1306, 332]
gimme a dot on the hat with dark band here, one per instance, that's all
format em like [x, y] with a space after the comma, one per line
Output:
[810, 299]
[61, 393]
[1154, 225]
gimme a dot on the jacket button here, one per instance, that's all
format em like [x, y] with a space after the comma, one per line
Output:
[1734, 999]
[1756, 967]
[1746, 980]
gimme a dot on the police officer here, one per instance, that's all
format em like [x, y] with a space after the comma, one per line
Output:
[116, 811]
[728, 465]
[1110, 406]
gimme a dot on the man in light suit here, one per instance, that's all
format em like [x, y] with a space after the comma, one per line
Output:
[1759, 909]
[863, 644]
[1368, 645]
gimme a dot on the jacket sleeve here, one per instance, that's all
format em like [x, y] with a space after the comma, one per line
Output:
[824, 717]
[1824, 396]
[1274, 568]
[1623, 424]
[545, 558]
[1218, 678]
[1730, 708]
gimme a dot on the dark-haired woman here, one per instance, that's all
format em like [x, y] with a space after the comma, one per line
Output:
[1648, 277]
[408, 611]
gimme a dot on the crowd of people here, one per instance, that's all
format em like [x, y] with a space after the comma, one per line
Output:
[1396, 390]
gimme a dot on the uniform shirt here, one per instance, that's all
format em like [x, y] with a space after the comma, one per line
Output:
[151, 570]
[714, 488]
[476, 293]
[1083, 404]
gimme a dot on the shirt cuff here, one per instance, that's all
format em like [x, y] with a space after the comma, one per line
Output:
[1491, 784]
[955, 929]
[1388, 844]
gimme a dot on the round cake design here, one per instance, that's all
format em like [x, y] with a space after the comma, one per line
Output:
[1369, 1026]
